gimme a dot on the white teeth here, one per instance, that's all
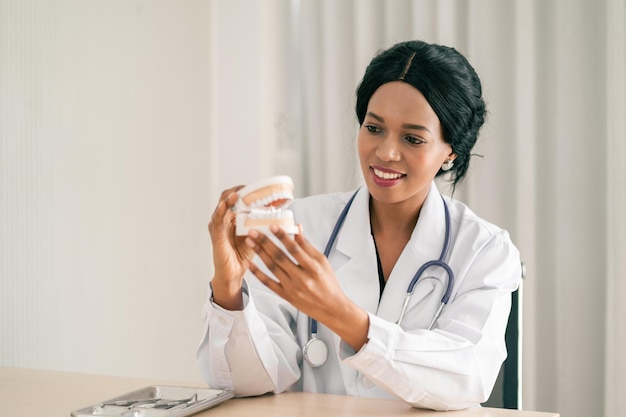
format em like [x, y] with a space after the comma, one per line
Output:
[386, 175]
[270, 214]
[279, 195]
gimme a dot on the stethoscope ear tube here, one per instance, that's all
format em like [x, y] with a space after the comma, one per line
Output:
[436, 316]
[405, 304]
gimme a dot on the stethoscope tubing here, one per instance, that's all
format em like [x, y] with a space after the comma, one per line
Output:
[434, 263]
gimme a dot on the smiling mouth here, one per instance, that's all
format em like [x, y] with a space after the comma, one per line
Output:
[385, 175]
[264, 203]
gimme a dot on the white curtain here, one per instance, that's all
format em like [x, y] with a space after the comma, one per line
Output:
[615, 341]
[552, 170]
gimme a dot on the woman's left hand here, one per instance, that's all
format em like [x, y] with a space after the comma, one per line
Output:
[309, 284]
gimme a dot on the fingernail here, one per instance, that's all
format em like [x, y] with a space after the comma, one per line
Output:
[250, 242]
[253, 234]
[274, 228]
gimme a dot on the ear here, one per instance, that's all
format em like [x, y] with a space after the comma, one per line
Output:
[451, 156]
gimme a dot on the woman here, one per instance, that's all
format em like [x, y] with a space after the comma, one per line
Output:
[420, 109]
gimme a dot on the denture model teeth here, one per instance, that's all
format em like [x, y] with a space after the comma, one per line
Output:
[264, 203]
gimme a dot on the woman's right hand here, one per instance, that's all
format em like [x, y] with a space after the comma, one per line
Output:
[230, 254]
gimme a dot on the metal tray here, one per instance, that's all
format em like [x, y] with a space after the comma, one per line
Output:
[158, 401]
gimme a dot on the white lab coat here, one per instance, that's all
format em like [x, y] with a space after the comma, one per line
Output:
[455, 365]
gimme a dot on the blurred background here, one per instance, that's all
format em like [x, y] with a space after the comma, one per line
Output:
[121, 121]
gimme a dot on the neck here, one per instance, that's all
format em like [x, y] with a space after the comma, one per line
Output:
[393, 219]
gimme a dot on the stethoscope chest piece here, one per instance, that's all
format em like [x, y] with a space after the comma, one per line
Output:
[315, 352]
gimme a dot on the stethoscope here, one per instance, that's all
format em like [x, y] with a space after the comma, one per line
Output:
[315, 351]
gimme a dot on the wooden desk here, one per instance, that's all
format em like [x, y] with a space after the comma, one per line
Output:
[38, 393]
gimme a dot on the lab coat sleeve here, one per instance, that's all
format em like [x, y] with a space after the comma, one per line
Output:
[249, 351]
[455, 365]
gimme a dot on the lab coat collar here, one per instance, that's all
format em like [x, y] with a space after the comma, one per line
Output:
[427, 237]
[355, 236]
[356, 267]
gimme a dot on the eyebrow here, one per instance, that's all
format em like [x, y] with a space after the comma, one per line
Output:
[404, 125]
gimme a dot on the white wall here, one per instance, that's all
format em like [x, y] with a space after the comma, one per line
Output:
[105, 184]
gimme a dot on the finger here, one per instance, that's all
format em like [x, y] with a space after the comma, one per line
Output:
[223, 216]
[272, 256]
[227, 199]
[292, 246]
[228, 191]
[312, 252]
[221, 209]
[230, 197]
[266, 280]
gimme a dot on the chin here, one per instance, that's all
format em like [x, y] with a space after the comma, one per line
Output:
[265, 203]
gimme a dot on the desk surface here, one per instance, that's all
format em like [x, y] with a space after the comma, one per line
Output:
[38, 393]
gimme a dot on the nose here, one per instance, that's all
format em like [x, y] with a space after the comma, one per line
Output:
[387, 150]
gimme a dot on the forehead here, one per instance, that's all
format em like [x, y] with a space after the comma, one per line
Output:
[400, 102]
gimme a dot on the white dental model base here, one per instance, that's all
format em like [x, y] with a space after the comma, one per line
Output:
[265, 203]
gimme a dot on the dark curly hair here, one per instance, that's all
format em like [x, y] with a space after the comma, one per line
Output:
[447, 81]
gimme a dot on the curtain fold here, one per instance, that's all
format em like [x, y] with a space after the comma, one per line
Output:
[615, 361]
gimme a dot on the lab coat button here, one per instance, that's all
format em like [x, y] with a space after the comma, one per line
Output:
[366, 382]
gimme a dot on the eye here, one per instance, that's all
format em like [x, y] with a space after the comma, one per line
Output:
[414, 140]
[373, 129]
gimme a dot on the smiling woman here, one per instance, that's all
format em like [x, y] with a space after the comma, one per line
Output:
[264, 307]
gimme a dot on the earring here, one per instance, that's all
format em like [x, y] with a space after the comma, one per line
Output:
[447, 166]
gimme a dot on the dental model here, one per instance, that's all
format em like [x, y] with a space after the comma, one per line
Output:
[265, 203]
